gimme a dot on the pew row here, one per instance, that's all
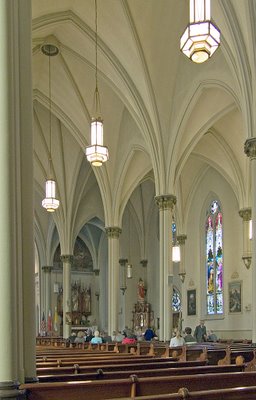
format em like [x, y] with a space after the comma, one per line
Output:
[136, 386]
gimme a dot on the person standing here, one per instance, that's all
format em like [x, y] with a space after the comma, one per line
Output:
[200, 332]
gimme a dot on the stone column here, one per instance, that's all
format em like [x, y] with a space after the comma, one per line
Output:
[113, 234]
[166, 204]
[47, 289]
[250, 151]
[17, 283]
[246, 214]
[67, 260]
[181, 240]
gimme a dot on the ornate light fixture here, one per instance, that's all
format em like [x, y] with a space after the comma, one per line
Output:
[50, 203]
[201, 37]
[96, 153]
[175, 243]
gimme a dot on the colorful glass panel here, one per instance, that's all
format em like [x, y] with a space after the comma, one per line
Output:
[214, 260]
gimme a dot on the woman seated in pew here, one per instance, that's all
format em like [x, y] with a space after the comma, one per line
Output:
[177, 340]
[130, 338]
[80, 337]
[211, 337]
[96, 339]
[189, 338]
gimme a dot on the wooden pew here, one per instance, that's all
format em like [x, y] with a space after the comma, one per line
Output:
[105, 374]
[134, 386]
[117, 366]
[237, 393]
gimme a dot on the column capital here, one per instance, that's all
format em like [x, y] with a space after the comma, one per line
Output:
[245, 213]
[67, 258]
[144, 263]
[47, 268]
[166, 202]
[250, 148]
[113, 232]
[181, 238]
[123, 261]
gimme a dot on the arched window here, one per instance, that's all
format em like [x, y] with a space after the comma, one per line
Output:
[214, 259]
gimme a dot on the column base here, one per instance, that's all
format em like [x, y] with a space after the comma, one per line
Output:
[10, 390]
[32, 379]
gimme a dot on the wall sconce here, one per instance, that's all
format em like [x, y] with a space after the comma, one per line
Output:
[123, 262]
[97, 294]
[129, 271]
[176, 253]
[246, 215]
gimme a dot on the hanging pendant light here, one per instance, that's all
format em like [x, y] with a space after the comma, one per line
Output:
[96, 153]
[50, 203]
[201, 37]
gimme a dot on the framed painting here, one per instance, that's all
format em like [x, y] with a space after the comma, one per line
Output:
[235, 297]
[191, 301]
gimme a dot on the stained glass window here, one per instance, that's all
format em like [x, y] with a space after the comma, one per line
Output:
[176, 300]
[214, 259]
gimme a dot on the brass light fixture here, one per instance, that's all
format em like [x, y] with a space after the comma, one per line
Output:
[201, 37]
[96, 153]
[50, 203]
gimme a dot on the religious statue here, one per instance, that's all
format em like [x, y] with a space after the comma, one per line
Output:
[141, 290]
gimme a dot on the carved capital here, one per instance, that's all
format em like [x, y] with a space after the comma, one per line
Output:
[250, 148]
[246, 213]
[47, 268]
[181, 238]
[113, 232]
[67, 258]
[166, 202]
[144, 263]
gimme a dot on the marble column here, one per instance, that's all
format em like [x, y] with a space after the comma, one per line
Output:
[181, 239]
[46, 289]
[166, 204]
[246, 215]
[67, 260]
[17, 293]
[250, 151]
[113, 234]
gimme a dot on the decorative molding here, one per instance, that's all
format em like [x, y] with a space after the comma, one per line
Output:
[96, 272]
[166, 202]
[181, 239]
[245, 213]
[250, 148]
[144, 263]
[47, 268]
[235, 275]
[113, 232]
[67, 258]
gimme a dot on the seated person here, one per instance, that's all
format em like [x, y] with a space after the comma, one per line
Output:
[96, 339]
[80, 337]
[117, 337]
[105, 337]
[130, 338]
[211, 337]
[89, 335]
[177, 340]
[149, 334]
[189, 338]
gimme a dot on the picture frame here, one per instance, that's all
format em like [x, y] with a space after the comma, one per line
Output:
[235, 297]
[191, 302]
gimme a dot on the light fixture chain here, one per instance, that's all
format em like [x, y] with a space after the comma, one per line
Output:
[96, 45]
[50, 116]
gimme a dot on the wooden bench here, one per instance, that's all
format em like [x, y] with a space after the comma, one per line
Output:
[106, 374]
[135, 386]
[117, 366]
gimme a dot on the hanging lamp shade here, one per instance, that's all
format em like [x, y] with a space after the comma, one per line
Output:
[50, 203]
[201, 37]
[96, 153]
[129, 271]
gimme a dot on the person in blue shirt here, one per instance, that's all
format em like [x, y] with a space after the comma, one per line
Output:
[149, 334]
